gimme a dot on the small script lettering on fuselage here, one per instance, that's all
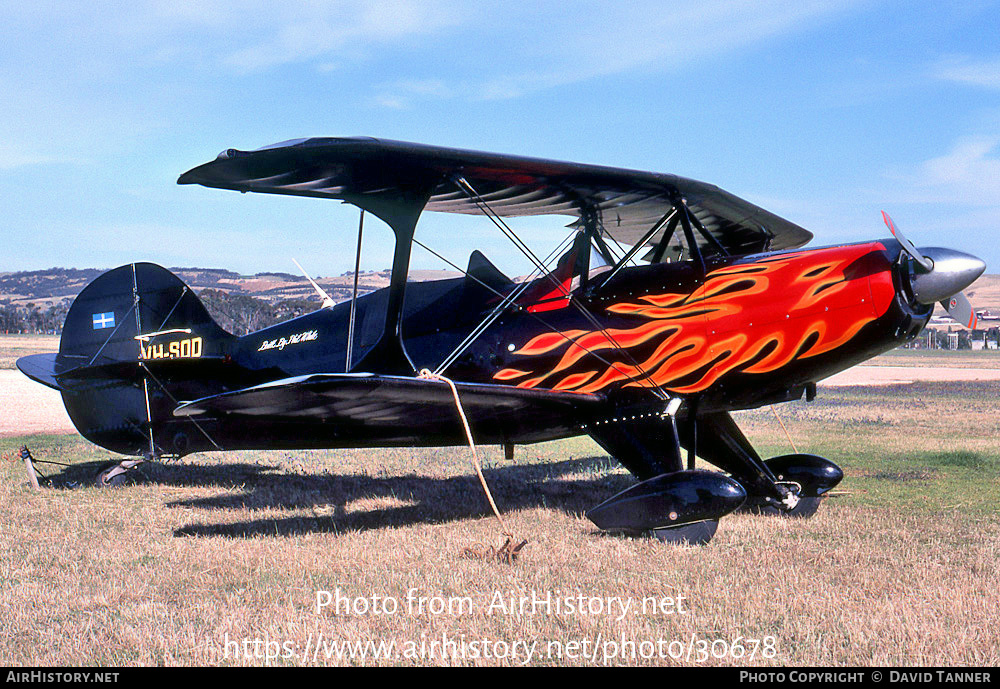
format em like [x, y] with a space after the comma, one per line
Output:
[282, 342]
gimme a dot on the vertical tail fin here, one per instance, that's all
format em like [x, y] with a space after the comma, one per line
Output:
[135, 342]
[136, 312]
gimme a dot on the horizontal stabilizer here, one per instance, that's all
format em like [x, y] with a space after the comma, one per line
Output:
[62, 373]
[133, 371]
[41, 368]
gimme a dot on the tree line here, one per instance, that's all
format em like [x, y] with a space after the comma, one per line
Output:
[238, 313]
[33, 318]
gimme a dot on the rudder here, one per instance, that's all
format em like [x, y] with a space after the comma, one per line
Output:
[136, 340]
[132, 312]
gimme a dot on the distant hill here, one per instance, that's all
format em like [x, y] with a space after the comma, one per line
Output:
[40, 286]
[38, 300]
[46, 287]
[984, 293]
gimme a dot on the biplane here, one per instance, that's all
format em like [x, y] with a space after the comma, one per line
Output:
[670, 304]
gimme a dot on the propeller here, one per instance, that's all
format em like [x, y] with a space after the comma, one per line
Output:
[328, 302]
[940, 275]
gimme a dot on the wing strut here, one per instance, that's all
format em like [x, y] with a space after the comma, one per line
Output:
[464, 185]
[354, 294]
[640, 244]
[505, 301]
[693, 247]
[668, 234]
[400, 209]
[709, 237]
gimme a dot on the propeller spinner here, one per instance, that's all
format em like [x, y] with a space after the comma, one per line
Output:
[940, 275]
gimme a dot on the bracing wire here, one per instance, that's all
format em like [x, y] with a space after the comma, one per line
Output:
[481, 203]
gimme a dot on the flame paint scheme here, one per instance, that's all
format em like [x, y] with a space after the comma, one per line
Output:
[726, 312]
[818, 301]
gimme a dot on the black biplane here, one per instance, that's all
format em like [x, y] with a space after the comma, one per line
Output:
[670, 304]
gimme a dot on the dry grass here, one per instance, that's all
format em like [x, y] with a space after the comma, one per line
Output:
[938, 358]
[13, 347]
[902, 571]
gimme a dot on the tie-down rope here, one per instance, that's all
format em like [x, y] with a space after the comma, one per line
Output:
[508, 551]
[787, 434]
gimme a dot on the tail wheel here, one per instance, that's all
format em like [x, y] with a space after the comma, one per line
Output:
[111, 476]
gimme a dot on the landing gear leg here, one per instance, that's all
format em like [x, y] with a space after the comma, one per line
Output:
[672, 504]
[646, 446]
[789, 485]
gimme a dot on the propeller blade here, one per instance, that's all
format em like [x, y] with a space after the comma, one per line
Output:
[907, 245]
[328, 302]
[960, 309]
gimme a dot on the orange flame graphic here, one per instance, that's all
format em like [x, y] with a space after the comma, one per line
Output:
[757, 317]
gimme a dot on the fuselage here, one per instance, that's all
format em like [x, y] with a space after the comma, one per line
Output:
[735, 333]
[751, 330]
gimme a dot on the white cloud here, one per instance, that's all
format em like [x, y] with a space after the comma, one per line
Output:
[965, 70]
[295, 32]
[968, 173]
[391, 102]
[537, 47]
[953, 199]
[492, 51]
[15, 155]
[399, 95]
[246, 35]
[10, 159]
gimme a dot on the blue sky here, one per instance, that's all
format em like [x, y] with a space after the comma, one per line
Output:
[822, 112]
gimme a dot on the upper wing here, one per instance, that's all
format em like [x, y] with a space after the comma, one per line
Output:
[406, 409]
[629, 201]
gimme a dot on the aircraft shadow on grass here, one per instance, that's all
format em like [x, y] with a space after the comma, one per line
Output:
[334, 498]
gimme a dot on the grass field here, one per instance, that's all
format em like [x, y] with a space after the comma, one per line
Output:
[12, 347]
[963, 358]
[902, 570]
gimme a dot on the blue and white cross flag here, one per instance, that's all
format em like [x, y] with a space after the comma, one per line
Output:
[104, 320]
